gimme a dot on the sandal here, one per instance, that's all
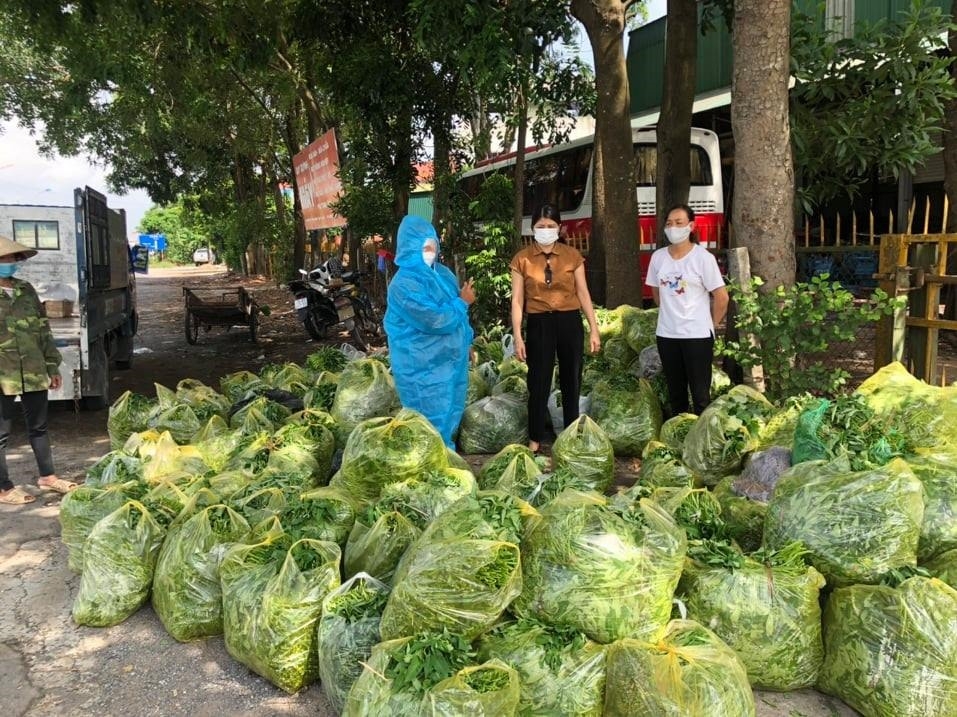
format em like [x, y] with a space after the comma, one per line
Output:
[16, 496]
[58, 486]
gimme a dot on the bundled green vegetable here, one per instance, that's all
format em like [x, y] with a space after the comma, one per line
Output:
[520, 477]
[686, 670]
[584, 450]
[205, 401]
[551, 485]
[855, 525]
[478, 387]
[377, 543]
[514, 385]
[366, 390]
[743, 516]
[260, 415]
[272, 600]
[848, 425]
[430, 675]
[129, 414]
[425, 498]
[388, 450]
[495, 466]
[487, 515]
[180, 420]
[310, 429]
[236, 386]
[766, 608]
[727, 430]
[890, 651]
[491, 423]
[460, 584]
[115, 467]
[320, 514]
[661, 466]
[606, 572]
[628, 412]
[348, 630]
[561, 672]
[944, 567]
[328, 358]
[80, 510]
[675, 429]
[638, 326]
[289, 377]
[187, 595]
[925, 415]
[937, 472]
[118, 560]
[323, 393]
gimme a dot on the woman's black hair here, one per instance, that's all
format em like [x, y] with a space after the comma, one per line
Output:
[690, 212]
[549, 211]
[683, 207]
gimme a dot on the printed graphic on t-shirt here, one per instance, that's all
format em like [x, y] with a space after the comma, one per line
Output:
[675, 282]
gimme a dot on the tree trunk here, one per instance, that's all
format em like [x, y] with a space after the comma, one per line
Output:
[613, 254]
[677, 100]
[402, 174]
[441, 171]
[518, 175]
[763, 210]
[299, 222]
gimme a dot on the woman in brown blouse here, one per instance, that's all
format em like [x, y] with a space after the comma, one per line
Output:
[548, 283]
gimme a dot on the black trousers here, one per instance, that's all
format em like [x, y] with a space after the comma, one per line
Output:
[687, 365]
[558, 333]
[34, 405]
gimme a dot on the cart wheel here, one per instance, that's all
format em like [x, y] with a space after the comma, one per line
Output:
[253, 325]
[192, 328]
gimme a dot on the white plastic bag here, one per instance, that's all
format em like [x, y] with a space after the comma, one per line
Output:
[556, 412]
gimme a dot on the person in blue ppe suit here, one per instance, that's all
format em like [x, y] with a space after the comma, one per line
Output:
[427, 323]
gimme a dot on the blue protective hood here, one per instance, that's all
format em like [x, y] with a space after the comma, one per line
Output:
[413, 233]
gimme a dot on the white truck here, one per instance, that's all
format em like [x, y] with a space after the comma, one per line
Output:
[82, 270]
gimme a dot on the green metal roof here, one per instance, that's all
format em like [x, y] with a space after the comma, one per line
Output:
[420, 205]
[646, 51]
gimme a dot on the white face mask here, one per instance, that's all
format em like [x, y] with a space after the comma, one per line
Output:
[546, 235]
[428, 257]
[676, 235]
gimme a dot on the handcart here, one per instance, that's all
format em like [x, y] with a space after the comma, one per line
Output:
[219, 307]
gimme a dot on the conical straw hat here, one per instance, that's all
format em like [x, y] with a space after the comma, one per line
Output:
[8, 247]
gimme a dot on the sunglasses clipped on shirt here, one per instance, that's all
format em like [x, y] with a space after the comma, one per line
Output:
[548, 270]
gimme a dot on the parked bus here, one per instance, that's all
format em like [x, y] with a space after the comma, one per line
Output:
[563, 175]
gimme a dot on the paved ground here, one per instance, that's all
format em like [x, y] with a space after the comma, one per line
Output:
[48, 666]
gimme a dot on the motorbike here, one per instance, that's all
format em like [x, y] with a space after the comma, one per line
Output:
[325, 298]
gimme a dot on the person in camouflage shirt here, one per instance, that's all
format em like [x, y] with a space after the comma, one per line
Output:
[29, 367]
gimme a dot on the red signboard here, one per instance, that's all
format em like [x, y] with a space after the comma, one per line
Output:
[316, 168]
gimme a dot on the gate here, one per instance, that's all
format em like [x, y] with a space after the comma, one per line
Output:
[915, 266]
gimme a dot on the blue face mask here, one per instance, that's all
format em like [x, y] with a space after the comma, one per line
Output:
[8, 270]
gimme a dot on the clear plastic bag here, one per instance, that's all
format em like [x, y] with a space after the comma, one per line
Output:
[492, 423]
[347, 632]
[605, 572]
[856, 525]
[463, 585]
[683, 671]
[891, 652]
[769, 615]
[187, 594]
[585, 451]
[118, 561]
[272, 599]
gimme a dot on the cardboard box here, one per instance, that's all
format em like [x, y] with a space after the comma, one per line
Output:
[59, 309]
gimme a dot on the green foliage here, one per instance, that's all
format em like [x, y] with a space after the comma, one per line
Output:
[489, 251]
[869, 103]
[794, 327]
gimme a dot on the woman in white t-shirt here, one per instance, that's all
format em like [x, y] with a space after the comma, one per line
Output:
[692, 300]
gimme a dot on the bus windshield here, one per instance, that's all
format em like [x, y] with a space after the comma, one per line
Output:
[646, 166]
